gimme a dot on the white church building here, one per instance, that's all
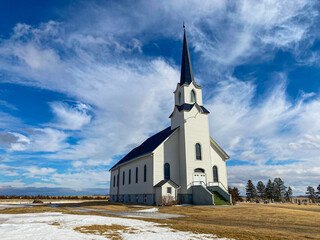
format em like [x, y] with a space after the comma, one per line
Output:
[181, 162]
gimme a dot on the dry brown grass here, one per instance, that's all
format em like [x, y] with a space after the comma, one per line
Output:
[35, 209]
[55, 224]
[110, 231]
[243, 221]
[249, 221]
[104, 205]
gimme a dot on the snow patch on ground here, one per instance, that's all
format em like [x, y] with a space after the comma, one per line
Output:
[17, 205]
[148, 210]
[47, 226]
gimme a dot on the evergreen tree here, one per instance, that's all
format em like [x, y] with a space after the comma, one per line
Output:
[288, 194]
[270, 191]
[251, 191]
[311, 193]
[237, 196]
[280, 189]
[318, 193]
[261, 189]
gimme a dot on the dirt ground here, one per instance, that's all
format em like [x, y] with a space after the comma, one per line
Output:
[241, 221]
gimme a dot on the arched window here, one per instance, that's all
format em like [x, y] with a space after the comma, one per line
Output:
[167, 171]
[198, 151]
[199, 170]
[180, 99]
[193, 96]
[145, 173]
[215, 174]
[114, 180]
[123, 177]
[129, 176]
[136, 174]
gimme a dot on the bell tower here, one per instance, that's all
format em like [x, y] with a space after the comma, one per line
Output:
[192, 119]
[187, 94]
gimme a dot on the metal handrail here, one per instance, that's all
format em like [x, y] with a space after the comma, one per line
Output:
[208, 184]
[202, 183]
[215, 183]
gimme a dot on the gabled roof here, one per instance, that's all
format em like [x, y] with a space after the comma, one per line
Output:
[186, 76]
[147, 147]
[162, 182]
[188, 107]
[219, 149]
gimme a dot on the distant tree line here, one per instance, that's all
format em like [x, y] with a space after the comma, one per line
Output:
[312, 194]
[274, 190]
[54, 197]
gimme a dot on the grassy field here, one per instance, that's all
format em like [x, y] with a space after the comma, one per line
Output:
[250, 221]
[242, 221]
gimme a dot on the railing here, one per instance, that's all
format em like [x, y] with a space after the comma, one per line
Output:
[197, 183]
[219, 184]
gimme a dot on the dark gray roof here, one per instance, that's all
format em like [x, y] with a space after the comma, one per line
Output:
[204, 109]
[188, 107]
[185, 106]
[148, 146]
[186, 76]
[162, 182]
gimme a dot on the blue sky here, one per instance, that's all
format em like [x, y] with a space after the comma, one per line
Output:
[82, 82]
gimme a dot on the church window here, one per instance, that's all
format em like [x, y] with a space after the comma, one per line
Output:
[167, 171]
[123, 177]
[145, 173]
[129, 176]
[136, 174]
[169, 190]
[193, 96]
[198, 151]
[180, 98]
[199, 170]
[114, 180]
[215, 174]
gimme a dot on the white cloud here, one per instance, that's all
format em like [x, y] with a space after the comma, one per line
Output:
[8, 121]
[47, 140]
[8, 171]
[254, 29]
[82, 179]
[12, 184]
[36, 58]
[34, 171]
[101, 64]
[14, 141]
[70, 118]
[271, 128]
[34, 140]
[292, 176]
[8, 105]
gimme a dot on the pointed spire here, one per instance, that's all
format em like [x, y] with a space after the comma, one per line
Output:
[186, 68]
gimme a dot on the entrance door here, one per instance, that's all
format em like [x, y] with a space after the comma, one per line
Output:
[199, 177]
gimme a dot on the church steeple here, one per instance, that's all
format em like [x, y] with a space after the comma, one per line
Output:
[186, 76]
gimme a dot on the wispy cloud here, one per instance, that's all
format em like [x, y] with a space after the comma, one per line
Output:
[118, 94]
[68, 117]
[270, 128]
